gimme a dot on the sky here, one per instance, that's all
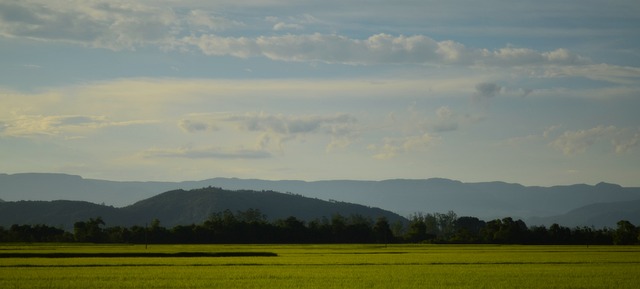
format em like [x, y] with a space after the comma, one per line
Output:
[532, 92]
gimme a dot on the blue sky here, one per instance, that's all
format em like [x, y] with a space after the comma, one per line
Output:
[534, 92]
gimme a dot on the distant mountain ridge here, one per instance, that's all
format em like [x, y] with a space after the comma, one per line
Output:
[597, 215]
[486, 200]
[181, 207]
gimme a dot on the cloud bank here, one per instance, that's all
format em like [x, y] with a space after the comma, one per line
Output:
[122, 25]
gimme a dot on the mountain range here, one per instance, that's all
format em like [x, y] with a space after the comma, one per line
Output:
[602, 204]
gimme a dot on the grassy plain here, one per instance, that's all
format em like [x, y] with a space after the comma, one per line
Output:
[324, 266]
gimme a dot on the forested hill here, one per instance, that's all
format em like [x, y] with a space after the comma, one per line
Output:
[183, 207]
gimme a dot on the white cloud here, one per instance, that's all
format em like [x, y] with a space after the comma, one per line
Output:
[393, 147]
[106, 24]
[203, 21]
[287, 26]
[54, 125]
[575, 142]
[377, 49]
[125, 25]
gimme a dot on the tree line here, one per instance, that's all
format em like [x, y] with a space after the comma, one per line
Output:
[251, 226]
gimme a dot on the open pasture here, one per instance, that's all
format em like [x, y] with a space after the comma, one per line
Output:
[318, 266]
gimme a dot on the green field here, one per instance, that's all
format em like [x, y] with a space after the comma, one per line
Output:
[318, 266]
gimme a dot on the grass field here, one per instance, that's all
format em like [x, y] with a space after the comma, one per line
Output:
[318, 266]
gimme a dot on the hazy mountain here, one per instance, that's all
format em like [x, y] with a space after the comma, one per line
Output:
[183, 207]
[598, 215]
[486, 200]
[55, 213]
[49, 187]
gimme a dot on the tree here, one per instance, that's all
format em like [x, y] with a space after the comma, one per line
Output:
[625, 234]
[90, 231]
[431, 224]
[559, 234]
[467, 230]
[538, 235]
[293, 230]
[417, 229]
[382, 231]
[251, 216]
[446, 224]
[359, 229]
[338, 228]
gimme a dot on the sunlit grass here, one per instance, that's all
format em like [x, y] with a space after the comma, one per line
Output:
[330, 266]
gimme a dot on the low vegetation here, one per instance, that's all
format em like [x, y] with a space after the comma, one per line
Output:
[325, 266]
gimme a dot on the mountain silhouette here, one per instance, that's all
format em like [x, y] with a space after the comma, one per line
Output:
[485, 200]
[183, 207]
[598, 215]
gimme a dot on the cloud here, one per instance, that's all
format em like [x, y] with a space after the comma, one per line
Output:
[526, 91]
[287, 26]
[624, 75]
[446, 120]
[380, 48]
[206, 153]
[487, 89]
[196, 126]
[575, 142]
[160, 98]
[53, 125]
[626, 143]
[203, 21]
[292, 23]
[392, 147]
[106, 24]
[292, 125]
[377, 49]
[121, 25]
[279, 127]
[484, 92]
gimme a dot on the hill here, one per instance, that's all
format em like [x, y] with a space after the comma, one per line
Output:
[486, 200]
[182, 207]
[55, 213]
[598, 215]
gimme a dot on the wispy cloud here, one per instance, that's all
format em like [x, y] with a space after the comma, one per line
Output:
[446, 120]
[279, 127]
[575, 142]
[54, 125]
[196, 126]
[206, 153]
[377, 49]
[393, 147]
[124, 25]
[304, 85]
[113, 24]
